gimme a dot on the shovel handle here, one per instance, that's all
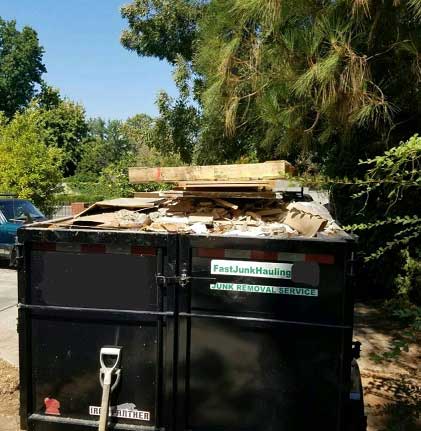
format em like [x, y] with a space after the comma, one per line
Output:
[105, 404]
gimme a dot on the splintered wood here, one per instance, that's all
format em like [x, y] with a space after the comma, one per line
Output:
[208, 216]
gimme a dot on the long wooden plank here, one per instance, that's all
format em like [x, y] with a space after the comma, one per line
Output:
[223, 183]
[199, 185]
[239, 172]
[218, 194]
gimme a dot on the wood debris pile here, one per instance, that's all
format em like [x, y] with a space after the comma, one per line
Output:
[253, 200]
[209, 216]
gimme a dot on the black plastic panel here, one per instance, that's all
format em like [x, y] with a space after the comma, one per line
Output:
[114, 281]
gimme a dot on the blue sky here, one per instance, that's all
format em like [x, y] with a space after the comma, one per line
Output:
[84, 58]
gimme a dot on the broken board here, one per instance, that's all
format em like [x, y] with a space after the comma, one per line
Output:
[127, 203]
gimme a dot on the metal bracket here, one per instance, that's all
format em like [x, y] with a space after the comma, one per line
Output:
[17, 258]
[350, 265]
[356, 349]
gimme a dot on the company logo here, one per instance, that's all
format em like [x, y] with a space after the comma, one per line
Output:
[252, 269]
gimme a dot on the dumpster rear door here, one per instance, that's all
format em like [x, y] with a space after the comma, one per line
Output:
[265, 334]
[80, 291]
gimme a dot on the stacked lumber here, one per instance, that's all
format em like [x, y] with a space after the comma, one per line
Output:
[243, 176]
[214, 193]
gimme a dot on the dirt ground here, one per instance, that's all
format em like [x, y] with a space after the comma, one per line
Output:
[9, 397]
[392, 391]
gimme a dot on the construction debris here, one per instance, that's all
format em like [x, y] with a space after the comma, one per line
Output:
[307, 218]
[210, 216]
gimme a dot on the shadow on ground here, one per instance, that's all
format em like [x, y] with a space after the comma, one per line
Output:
[392, 391]
[393, 404]
[4, 263]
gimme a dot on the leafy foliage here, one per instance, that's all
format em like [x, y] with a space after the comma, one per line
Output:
[105, 143]
[65, 126]
[310, 75]
[285, 78]
[21, 66]
[107, 153]
[161, 28]
[30, 167]
[141, 130]
[395, 178]
[177, 126]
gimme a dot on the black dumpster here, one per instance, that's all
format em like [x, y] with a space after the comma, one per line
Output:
[216, 333]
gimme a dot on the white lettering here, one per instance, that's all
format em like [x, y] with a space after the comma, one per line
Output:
[122, 413]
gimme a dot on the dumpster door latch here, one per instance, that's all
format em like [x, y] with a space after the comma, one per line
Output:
[182, 280]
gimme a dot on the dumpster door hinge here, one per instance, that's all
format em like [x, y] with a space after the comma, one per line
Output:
[16, 258]
[350, 270]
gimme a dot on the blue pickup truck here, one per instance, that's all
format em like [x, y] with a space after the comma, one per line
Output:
[13, 214]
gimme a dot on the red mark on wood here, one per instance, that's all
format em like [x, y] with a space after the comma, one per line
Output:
[158, 174]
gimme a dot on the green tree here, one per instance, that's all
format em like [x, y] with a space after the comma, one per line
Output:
[288, 78]
[168, 30]
[21, 66]
[142, 132]
[106, 143]
[64, 124]
[337, 78]
[161, 28]
[177, 126]
[31, 168]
